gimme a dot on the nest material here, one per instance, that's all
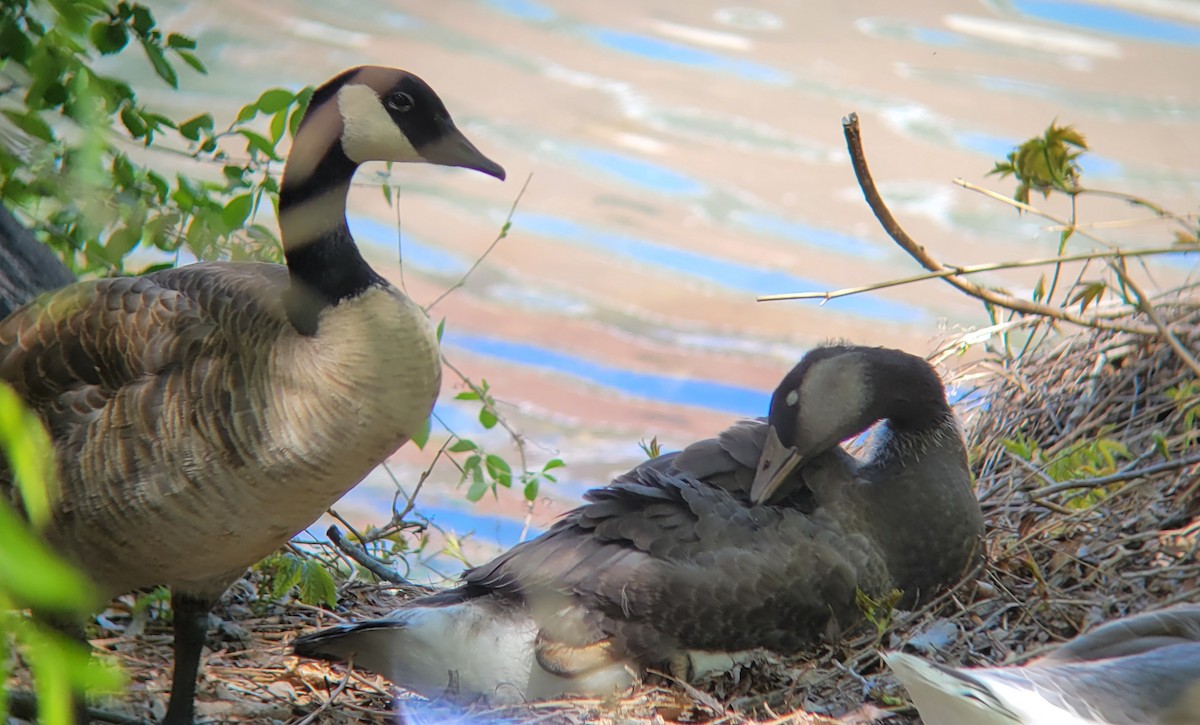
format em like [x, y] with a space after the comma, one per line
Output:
[1062, 555]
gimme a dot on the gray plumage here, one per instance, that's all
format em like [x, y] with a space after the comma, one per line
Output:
[675, 561]
[27, 267]
[201, 416]
[1142, 670]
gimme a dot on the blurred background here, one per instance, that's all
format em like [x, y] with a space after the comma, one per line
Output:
[684, 157]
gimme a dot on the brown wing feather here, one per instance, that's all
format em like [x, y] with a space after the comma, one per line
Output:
[113, 349]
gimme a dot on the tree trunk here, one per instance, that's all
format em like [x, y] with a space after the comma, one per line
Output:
[27, 267]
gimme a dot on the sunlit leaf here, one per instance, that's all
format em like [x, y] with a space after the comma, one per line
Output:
[274, 100]
[499, 470]
[161, 66]
[316, 584]
[462, 445]
[421, 436]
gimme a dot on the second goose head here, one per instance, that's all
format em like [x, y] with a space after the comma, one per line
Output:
[835, 393]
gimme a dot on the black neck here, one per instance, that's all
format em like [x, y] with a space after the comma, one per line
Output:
[323, 261]
[906, 392]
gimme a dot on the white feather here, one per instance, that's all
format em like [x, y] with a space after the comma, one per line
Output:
[474, 646]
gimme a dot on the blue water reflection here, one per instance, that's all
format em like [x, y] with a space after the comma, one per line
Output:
[1115, 21]
[424, 257]
[524, 9]
[637, 173]
[796, 231]
[719, 271]
[665, 50]
[658, 388]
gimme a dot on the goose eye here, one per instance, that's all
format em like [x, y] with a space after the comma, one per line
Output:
[400, 101]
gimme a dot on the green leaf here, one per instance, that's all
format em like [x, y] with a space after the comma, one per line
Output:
[441, 329]
[531, 490]
[14, 43]
[316, 584]
[274, 100]
[467, 395]
[233, 216]
[161, 66]
[142, 21]
[33, 575]
[552, 464]
[487, 418]
[421, 436]
[287, 575]
[477, 490]
[462, 445]
[247, 112]
[499, 470]
[108, 37]
[1088, 293]
[278, 125]
[192, 60]
[191, 128]
[30, 455]
[32, 124]
[258, 142]
[180, 42]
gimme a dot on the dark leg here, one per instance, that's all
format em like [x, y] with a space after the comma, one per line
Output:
[191, 626]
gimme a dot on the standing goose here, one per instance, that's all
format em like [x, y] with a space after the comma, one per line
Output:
[201, 416]
[1142, 670]
[694, 557]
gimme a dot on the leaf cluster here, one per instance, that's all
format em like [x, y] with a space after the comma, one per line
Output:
[1045, 163]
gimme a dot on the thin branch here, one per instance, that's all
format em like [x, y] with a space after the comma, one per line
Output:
[518, 439]
[325, 705]
[853, 136]
[479, 260]
[368, 562]
[952, 270]
[1158, 211]
[1116, 477]
[1143, 303]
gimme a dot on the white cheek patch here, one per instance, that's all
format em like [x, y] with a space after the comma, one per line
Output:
[369, 133]
[792, 398]
[833, 391]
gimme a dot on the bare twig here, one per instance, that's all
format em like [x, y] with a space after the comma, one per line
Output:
[1144, 304]
[328, 702]
[953, 270]
[479, 260]
[370, 563]
[1117, 477]
[858, 159]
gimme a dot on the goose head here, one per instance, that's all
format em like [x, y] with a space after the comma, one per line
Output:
[835, 393]
[369, 113]
[373, 113]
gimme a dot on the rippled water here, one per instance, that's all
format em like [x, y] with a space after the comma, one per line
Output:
[686, 157]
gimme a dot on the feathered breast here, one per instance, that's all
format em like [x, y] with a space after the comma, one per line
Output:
[184, 405]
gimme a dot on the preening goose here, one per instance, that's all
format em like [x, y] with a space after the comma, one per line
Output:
[203, 415]
[1141, 670]
[676, 565]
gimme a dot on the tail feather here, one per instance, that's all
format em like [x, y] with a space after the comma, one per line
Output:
[471, 650]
